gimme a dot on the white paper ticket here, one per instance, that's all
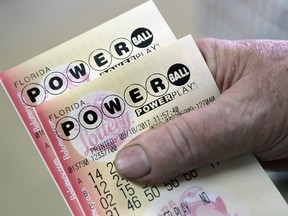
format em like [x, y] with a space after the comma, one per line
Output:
[99, 51]
[88, 125]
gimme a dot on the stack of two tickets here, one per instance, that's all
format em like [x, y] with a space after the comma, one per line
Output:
[84, 100]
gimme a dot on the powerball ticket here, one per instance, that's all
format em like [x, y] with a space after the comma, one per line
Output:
[97, 52]
[90, 124]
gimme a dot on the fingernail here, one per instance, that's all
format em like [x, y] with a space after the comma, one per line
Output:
[132, 162]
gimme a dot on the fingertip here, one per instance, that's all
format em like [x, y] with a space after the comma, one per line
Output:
[205, 44]
[132, 162]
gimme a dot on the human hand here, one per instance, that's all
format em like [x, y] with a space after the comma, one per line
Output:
[250, 116]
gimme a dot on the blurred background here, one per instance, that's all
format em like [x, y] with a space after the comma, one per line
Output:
[30, 27]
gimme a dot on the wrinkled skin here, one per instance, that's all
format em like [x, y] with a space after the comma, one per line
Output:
[250, 116]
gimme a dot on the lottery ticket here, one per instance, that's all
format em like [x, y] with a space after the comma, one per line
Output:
[90, 124]
[97, 52]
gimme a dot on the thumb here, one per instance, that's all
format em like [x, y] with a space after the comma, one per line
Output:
[191, 140]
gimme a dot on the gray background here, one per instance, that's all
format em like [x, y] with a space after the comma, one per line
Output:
[30, 27]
